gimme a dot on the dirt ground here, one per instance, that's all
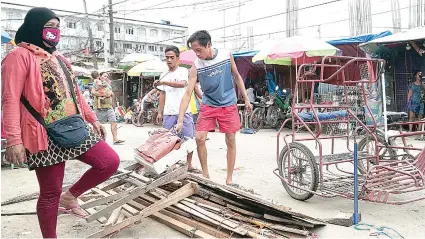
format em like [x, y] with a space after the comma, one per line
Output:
[256, 159]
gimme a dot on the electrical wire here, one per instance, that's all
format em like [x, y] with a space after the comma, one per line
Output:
[179, 6]
[261, 18]
[315, 25]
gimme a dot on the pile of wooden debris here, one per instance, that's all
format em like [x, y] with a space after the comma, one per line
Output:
[195, 206]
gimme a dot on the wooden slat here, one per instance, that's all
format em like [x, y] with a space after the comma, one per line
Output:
[177, 174]
[185, 219]
[288, 221]
[114, 217]
[173, 198]
[211, 215]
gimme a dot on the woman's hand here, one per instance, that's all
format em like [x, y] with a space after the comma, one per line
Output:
[99, 129]
[16, 154]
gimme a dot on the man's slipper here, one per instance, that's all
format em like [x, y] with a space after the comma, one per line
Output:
[119, 141]
[235, 185]
[73, 211]
[194, 171]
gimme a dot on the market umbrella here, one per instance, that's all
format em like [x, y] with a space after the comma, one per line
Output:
[80, 71]
[295, 49]
[5, 38]
[187, 57]
[148, 68]
[138, 57]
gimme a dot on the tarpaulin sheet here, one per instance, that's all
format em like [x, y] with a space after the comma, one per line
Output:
[359, 39]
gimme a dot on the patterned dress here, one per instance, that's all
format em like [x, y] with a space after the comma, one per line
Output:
[59, 104]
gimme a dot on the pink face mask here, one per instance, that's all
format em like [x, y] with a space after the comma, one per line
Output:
[51, 36]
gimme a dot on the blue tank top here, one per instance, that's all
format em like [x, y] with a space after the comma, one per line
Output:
[216, 79]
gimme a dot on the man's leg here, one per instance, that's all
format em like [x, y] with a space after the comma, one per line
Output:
[231, 156]
[188, 131]
[229, 124]
[201, 138]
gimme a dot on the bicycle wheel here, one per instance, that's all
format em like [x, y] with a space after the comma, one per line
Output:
[272, 116]
[256, 119]
[304, 171]
[367, 144]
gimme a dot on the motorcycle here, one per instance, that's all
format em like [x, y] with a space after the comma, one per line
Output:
[280, 110]
[259, 116]
[148, 116]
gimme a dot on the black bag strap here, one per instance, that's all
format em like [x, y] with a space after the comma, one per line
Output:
[71, 86]
[70, 83]
[33, 112]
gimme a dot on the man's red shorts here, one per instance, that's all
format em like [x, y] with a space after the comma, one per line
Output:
[227, 118]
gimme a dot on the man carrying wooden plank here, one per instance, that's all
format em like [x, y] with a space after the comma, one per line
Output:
[172, 86]
[217, 72]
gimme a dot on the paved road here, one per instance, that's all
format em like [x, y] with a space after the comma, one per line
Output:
[256, 159]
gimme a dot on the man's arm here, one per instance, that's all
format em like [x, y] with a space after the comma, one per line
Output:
[238, 79]
[175, 84]
[193, 77]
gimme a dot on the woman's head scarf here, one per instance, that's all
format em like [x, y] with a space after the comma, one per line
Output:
[31, 30]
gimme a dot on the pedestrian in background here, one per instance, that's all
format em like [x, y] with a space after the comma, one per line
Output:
[103, 106]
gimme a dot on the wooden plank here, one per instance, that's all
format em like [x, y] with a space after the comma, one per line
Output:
[185, 219]
[172, 176]
[261, 223]
[105, 199]
[90, 211]
[173, 198]
[114, 217]
[113, 185]
[180, 226]
[288, 221]
[243, 211]
[211, 215]
[151, 200]
[135, 182]
[88, 197]
[121, 218]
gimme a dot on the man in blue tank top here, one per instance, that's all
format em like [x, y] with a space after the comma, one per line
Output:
[217, 73]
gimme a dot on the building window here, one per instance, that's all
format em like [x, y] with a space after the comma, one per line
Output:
[140, 47]
[154, 33]
[142, 32]
[99, 44]
[115, 45]
[72, 25]
[151, 48]
[129, 31]
[100, 27]
[117, 29]
[161, 49]
[127, 46]
[85, 25]
[166, 34]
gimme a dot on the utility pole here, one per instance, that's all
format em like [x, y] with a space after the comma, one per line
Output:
[111, 30]
[105, 38]
[94, 56]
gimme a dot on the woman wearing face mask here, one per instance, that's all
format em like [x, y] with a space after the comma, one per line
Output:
[47, 120]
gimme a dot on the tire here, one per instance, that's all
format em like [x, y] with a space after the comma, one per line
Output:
[272, 116]
[311, 162]
[384, 152]
[256, 121]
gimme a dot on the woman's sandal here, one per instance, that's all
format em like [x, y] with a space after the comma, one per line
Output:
[74, 211]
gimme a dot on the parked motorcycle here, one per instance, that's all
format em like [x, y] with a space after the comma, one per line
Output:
[148, 116]
[281, 109]
[259, 116]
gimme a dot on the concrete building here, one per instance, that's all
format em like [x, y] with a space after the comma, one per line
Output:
[130, 35]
